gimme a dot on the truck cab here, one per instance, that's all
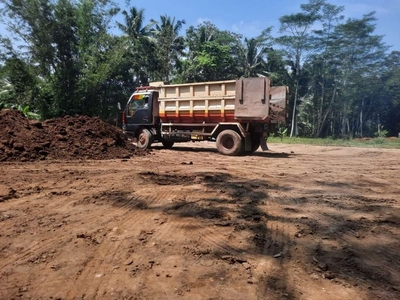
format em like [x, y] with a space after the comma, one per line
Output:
[140, 118]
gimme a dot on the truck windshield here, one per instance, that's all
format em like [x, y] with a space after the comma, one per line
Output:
[138, 101]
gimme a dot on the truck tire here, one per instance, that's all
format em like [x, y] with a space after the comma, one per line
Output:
[229, 142]
[145, 139]
[167, 144]
[255, 144]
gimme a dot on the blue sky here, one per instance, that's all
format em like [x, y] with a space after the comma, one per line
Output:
[250, 17]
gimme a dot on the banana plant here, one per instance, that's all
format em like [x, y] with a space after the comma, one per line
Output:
[28, 114]
[282, 131]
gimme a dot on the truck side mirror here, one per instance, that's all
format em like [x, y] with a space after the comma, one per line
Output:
[119, 106]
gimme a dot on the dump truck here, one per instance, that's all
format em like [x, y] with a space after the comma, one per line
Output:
[236, 114]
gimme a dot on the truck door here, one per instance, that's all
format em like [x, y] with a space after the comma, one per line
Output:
[138, 112]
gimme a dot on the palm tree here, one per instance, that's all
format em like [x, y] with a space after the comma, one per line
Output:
[133, 27]
[206, 32]
[170, 45]
[254, 54]
[140, 44]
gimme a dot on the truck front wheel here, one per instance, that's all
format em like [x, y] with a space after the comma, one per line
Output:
[229, 142]
[145, 139]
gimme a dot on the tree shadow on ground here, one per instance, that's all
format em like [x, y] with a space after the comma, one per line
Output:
[232, 203]
[331, 240]
[354, 239]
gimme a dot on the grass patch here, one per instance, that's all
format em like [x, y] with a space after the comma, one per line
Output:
[391, 142]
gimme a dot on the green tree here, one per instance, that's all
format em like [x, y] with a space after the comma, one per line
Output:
[254, 54]
[141, 44]
[390, 96]
[74, 61]
[134, 24]
[170, 45]
[325, 67]
[361, 54]
[212, 54]
[297, 45]
[213, 62]
[17, 82]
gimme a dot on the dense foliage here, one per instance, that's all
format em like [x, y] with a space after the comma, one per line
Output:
[62, 57]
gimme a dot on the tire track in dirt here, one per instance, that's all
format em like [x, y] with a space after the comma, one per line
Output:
[178, 216]
[100, 271]
[293, 218]
[36, 248]
[271, 273]
[220, 243]
[66, 236]
[137, 206]
[131, 218]
[92, 276]
[333, 229]
[185, 215]
[274, 239]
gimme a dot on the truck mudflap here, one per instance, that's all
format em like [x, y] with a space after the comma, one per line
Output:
[263, 142]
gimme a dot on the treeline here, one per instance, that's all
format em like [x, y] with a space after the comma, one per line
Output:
[64, 57]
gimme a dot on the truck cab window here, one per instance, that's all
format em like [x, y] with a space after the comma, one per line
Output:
[135, 104]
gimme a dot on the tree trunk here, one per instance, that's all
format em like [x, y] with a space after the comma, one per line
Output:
[361, 123]
[327, 112]
[321, 105]
[293, 129]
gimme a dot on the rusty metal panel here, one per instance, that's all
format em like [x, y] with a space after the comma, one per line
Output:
[278, 104]
[252, 98]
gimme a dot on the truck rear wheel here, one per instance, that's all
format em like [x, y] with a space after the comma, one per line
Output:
[229, 142]
[145, 139]
[167, 144]
[255, 144]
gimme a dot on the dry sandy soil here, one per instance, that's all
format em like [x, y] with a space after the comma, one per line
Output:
[296, 222]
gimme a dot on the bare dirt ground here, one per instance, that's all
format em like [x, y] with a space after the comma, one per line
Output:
[296, 222]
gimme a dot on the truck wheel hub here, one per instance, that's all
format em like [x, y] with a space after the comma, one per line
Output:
[142, 138]
[227, 142]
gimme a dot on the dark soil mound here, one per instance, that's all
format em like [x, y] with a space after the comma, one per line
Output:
[63, 138]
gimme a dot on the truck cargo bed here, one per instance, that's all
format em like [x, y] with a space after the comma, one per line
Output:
[216, 101]
[198, 102]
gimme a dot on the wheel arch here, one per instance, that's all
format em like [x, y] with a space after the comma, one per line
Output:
[232, 126]
[141, 127]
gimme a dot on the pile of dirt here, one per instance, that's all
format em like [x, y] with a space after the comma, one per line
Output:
[63, 138]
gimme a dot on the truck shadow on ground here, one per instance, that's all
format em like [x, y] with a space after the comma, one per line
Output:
[273, 154]
[258, 153]
[186, 149]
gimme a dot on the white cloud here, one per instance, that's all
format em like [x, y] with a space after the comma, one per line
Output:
[248, 29]
[202, 20]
